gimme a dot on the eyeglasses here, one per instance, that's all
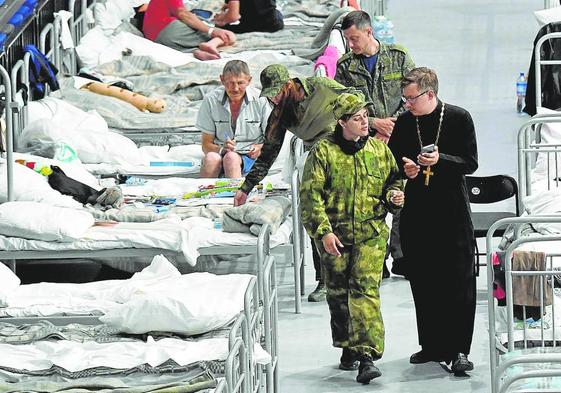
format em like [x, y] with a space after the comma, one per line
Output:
[412, 100]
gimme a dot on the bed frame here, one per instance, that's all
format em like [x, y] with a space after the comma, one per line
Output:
[502, 374]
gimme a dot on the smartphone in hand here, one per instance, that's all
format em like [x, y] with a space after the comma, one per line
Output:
[428, 148]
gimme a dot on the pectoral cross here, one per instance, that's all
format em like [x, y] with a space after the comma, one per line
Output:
[428, 173]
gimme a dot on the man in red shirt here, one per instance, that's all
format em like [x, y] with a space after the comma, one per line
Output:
[167, 22]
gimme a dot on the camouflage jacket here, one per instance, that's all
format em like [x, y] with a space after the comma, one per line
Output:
[383, 86]
[309, 119]
[348, 194]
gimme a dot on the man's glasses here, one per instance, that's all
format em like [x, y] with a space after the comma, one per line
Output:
[412, 100]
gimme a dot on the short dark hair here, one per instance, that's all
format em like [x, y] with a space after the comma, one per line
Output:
[236, 67]
[360, 19]
[424, 77]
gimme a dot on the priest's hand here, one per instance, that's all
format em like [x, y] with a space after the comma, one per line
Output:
[427, 159]
[331, 243]
[410, 168]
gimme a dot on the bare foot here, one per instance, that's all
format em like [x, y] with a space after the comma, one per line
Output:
[201, 55]
[206, 47]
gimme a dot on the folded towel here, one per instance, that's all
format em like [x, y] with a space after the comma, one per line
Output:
[251, 216]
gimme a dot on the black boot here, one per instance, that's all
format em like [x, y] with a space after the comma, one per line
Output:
[461, 364]
[318, 295]
[349, 360]
[367, 371]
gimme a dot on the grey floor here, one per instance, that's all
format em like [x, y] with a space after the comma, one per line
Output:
[477, 48]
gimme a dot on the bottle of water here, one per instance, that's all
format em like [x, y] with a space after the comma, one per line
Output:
[383, 30]
[521, 84]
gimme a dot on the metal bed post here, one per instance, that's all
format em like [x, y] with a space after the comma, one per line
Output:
[271, 324]
[19, 115]
[238, 352]
[494, 357]
[538, 62]
[525, 143]
[9, 133]
[297, 248]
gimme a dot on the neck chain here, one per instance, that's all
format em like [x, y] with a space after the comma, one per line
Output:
[427, 172]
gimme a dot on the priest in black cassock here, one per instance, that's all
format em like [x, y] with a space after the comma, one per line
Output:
[436, 229]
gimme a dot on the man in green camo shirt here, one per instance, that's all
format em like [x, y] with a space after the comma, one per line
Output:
[376, 69]
[305, 107]
[349, 184]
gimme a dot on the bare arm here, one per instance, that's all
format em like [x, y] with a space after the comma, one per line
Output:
[192, 21]
[231, 14]
[208, 144]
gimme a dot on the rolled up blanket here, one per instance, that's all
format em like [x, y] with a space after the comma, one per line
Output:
[251, 216]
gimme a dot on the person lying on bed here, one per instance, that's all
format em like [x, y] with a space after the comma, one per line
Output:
[305, 106]
[253, 15]
[167, 22]
[232, 120]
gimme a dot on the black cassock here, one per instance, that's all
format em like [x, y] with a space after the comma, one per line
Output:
[436, 230]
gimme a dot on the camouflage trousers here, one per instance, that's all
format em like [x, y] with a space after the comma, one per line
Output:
[353, 295]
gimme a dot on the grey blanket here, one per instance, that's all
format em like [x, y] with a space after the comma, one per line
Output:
[252, 216]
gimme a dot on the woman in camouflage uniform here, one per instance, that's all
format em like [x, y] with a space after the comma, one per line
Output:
[350, 182]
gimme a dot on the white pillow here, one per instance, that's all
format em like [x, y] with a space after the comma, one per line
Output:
[8, 283]
[193, 304]
[96, 48]
[548, 15]
[75, 170]
[41, 221]
[550, 134]
[31, 186]
[112, 13]
[90, 138]
[545, 203]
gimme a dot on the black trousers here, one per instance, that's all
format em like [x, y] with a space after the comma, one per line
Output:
[269, 24]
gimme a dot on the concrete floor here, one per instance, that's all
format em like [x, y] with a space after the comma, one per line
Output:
[477, 48]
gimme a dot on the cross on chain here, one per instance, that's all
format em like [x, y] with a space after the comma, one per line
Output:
[428, 173]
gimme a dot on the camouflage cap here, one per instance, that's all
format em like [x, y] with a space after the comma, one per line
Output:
[273, 78]
[348, 104]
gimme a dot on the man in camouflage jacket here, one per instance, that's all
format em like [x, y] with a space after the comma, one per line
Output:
[381, 85]
[345, 195]
[305, 107]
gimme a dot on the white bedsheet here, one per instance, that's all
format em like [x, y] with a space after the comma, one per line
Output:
[74, 356]
[168, 234]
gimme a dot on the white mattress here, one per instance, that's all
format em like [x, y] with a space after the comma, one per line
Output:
[168, 234]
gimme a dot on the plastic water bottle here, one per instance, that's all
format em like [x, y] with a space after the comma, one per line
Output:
[383, 30]
[521, 84]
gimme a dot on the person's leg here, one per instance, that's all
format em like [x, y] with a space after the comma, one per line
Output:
[179, 36]
[232, 163]
[318, 294]
[399, 264]
[366, 327]
[337, 284]
[212, 165]
[211, 46]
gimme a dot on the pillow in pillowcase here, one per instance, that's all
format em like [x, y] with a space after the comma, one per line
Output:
[41, 221]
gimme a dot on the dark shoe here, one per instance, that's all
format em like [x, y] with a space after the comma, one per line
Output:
[461, 364]
[349, 361]
[318, 295]
[367, 371]
[385, 271]
[420, 358]
[399, 267]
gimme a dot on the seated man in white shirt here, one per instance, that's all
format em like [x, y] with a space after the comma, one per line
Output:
[232, 120]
